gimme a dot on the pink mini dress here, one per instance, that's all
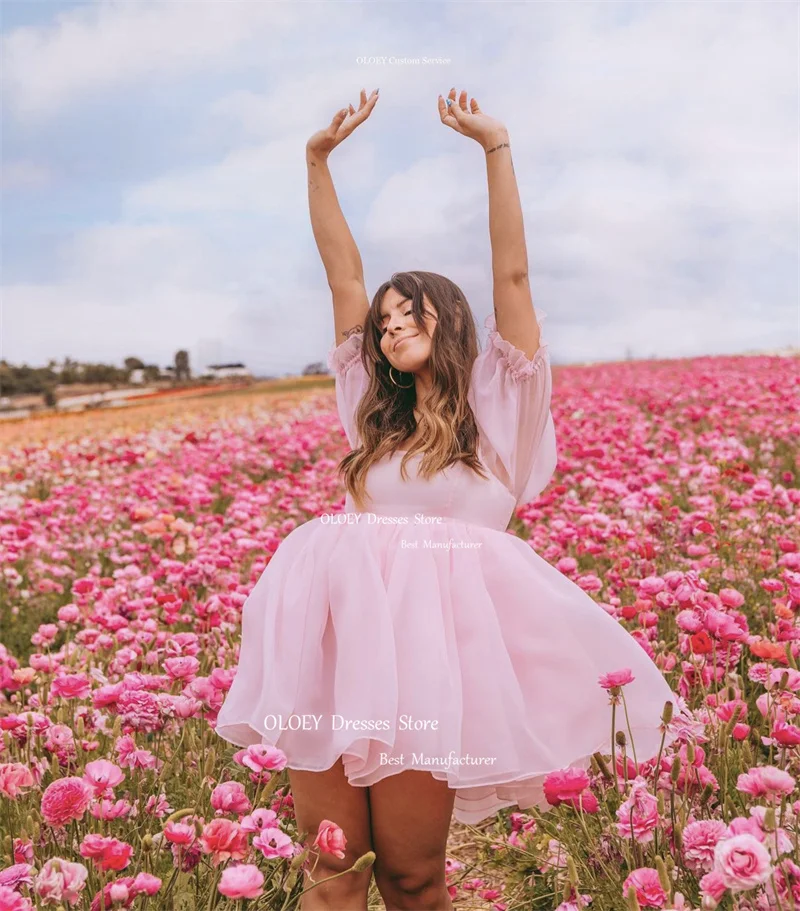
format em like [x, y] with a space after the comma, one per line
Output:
[422, 634]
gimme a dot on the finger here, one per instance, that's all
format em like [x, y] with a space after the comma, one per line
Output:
[456, 111]
[474, 106]
[338, 117]
[462, 101]
[446, 117]
[363, 99]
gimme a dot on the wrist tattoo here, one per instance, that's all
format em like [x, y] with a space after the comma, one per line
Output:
[503, 145]
[348, 332]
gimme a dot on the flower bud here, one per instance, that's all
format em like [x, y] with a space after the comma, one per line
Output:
[663, 875]
[633, 902]
[602, 765]
[690, 751]
[666, 716]
[572, 872]
[364, 862]
[769, 819]
[675, 771]
[620, 738]
[298, 859]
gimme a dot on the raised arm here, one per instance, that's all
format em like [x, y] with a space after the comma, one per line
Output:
[335, 243]
[513, 305]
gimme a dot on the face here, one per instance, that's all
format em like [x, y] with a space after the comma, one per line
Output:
[406, 348]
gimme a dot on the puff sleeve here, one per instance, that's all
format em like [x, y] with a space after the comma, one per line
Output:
[350, 379]
[510, 396]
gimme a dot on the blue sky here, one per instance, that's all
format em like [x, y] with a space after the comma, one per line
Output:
[154, 183]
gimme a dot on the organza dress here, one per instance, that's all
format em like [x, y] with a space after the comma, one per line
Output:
[446, 644]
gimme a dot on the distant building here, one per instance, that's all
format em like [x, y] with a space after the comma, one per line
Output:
[224, 371]
[137, 376]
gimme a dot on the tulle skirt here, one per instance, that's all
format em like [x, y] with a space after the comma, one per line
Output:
[453, 648]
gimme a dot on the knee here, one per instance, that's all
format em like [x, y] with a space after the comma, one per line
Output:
[347, 891]
[419, 888]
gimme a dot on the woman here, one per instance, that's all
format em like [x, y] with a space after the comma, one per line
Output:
[438, 664]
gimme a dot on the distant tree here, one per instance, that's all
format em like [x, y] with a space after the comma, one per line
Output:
[152, 372]
[315, 369]
[50, 398]
[133, 363]
[182, 369]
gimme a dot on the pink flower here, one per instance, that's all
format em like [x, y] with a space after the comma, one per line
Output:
[69, 613]
[230, 797]
[649, 891]
[259, 819]
[146, 884]
[102, 776]
[139, 710]
[766, 781]
[103, 808]
[742, 862]
[60, 881]
[699, 840]
[16, 875]
[108, 853]
[570, 786]
[638, 815]
[183, 668]
[224, 840]
[180, 833]
[330, 839]
[616, 678]
[241, 881]
[713, 885]
[13, 901]
[14, 778]
[273, 843]
[72, 686]
[261, 757]
[65, 799]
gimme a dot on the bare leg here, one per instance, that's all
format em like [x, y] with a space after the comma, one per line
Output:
[328, 795]
[411, 814]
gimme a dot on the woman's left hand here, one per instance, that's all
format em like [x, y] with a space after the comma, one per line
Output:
[471, 121]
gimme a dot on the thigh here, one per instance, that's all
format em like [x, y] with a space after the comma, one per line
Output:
[410, 821]
[329, 795]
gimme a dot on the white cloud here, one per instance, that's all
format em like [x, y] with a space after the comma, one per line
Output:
[102, 46]
[655, 147]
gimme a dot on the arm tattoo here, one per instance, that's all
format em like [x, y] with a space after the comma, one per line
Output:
[348, 332]
[503, 145]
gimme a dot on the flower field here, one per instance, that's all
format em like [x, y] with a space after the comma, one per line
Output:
[129, 542]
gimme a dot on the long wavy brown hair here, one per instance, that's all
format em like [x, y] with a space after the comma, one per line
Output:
[385, 416]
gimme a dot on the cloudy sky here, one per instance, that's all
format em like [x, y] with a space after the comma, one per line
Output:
[154, 180]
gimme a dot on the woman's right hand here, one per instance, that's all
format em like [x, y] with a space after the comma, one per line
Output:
[323, 142]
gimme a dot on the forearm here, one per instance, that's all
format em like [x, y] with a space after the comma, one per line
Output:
[506, 229]
[335, 243]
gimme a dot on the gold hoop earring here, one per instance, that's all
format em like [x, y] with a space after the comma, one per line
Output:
[399, 385]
